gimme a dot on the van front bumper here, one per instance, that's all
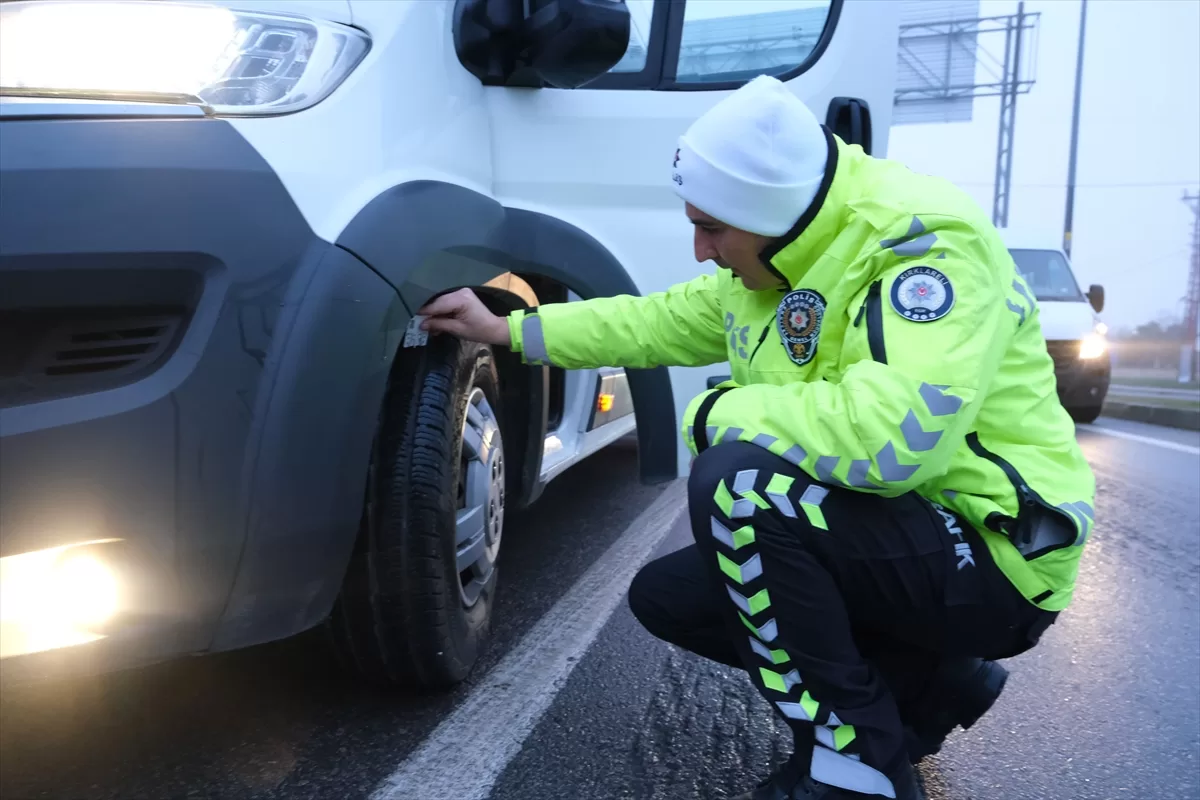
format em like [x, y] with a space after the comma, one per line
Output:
[1082, 382]
[189, 383]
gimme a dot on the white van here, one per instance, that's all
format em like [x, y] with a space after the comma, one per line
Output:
[218, 219]
[1070, 321]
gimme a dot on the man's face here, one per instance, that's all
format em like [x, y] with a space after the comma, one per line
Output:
[732, 249]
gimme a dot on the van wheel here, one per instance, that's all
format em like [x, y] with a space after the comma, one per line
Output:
[417, 598]
[1085, 414]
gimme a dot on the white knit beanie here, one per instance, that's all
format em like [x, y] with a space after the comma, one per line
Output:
[755, 160]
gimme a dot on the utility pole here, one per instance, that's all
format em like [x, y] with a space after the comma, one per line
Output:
[1069, 222]
[1008, 116]
[937, 76]
[1191, 334]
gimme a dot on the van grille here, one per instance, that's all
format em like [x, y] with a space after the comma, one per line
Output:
[106, 347]
[57, 354]
[1064, 352]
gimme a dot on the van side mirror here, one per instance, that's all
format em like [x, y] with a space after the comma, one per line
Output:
[850, 119]
[560, 43]
[574, 42]
[1095, 295]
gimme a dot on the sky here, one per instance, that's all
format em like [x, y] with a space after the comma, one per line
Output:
[1139, 146]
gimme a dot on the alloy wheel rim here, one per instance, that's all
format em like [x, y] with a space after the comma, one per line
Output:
[479, 516]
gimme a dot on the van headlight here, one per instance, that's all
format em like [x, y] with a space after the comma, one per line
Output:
[233, 62]
[1093, 345]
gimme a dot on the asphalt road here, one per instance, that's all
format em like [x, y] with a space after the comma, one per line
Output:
[572, 702]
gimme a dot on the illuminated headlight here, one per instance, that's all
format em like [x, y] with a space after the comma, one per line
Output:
[234, 62]
[53, 598]
[1093, 346]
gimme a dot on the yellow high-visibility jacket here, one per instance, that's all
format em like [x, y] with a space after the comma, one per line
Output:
[905, 353]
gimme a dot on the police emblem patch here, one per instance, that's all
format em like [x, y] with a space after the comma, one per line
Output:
[798, 318]
[922, 294]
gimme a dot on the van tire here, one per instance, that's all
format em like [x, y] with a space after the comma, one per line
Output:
[402, 619]
[1085, 414]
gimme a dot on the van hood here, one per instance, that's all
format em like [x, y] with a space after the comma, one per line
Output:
[1066, 320]
[329, 10]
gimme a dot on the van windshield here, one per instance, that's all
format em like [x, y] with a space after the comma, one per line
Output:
[1048, 275]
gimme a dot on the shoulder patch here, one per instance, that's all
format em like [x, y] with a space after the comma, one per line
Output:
[798, 319]
[922, 294]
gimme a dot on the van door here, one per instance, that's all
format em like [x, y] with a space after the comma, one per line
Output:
[599, 157]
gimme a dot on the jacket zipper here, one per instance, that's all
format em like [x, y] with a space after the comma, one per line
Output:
[762, 336]
[873, 309]
[1028, 500]
[761, 339]
[1024, 493]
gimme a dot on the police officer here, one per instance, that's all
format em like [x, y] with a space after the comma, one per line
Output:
[887, 495]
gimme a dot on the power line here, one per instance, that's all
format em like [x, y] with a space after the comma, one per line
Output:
[1183, 251]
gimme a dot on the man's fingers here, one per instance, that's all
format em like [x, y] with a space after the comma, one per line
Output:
[453, 303]
[446, 304]
[462, 314]
[451, 325]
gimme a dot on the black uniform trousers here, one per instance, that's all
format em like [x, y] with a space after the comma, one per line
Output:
[839, 603]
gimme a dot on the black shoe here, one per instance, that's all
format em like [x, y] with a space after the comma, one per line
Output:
[961, 692]
[787, 785]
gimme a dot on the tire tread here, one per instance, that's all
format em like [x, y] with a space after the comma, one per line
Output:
[395, 621]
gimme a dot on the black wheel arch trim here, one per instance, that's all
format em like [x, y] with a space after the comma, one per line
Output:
[317, 418]
[427, 237]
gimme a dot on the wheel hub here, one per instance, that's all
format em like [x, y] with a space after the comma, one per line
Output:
[494, 523]
[480, 514]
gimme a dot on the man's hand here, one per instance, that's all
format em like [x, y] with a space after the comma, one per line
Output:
[462, 314]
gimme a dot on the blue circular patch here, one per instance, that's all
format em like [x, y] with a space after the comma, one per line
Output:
[798, 319]
[922, 294]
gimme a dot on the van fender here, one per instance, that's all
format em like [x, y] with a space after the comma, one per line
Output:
[427, 237]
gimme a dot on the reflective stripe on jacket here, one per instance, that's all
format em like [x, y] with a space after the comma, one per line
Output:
[905, 354]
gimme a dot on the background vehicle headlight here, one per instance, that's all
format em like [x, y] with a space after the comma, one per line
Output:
[235, 62]
[1092, 346]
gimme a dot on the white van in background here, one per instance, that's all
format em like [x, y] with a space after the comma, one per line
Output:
[1075, 336]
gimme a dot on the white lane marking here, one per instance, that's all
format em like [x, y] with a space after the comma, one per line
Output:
[466, 753]
[1133, 437]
